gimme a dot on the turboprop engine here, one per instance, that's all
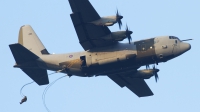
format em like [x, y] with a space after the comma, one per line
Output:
[119, 35]
[109, 20]
[147, 73]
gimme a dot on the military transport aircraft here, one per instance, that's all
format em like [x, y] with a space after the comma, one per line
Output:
[104, 55]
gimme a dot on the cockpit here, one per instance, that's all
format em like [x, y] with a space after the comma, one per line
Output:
[173, 37]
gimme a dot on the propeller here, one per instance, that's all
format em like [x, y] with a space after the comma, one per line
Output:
[119, 17]
[187, 40]
[155, 73]
[128, 34]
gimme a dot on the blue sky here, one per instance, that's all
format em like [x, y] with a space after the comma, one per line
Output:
[178, 88]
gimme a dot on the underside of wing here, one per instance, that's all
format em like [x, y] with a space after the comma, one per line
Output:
[89, 34]
[136, 85]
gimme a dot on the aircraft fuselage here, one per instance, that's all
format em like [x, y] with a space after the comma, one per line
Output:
[121, 57]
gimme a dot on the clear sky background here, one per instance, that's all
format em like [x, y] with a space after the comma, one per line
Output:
[178, 88]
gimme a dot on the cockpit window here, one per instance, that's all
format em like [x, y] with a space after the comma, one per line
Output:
[173, 37]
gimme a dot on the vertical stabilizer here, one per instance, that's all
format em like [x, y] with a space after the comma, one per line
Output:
[29, 39]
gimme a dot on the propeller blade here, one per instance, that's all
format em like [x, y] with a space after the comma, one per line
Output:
[118, 19]
[156, 77]
[126, 28]
[153, 67]
[129, 39]
[156, 73]
[117, 14]
[119, 23]
[187, 40]
[128, 34]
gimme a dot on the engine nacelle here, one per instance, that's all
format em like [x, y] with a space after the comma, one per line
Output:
[105, 21]
[116, 36]
[146, 73]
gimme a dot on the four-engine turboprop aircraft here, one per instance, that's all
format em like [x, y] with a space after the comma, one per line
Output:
[103, 55]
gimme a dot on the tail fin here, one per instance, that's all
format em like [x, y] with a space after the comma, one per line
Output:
[29, 39]
[26, 60]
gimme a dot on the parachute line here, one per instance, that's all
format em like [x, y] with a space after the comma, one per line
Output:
[21, 90]
[23, 87]
[46, 89]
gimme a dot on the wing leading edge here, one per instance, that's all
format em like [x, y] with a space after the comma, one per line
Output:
[89, 34]
[136, 85]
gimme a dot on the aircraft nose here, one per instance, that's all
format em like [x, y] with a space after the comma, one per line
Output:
[184, 47]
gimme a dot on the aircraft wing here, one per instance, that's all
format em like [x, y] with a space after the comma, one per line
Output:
[89, 35]
[136, 85]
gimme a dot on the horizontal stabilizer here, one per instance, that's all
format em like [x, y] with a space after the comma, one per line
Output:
[26, 59]
[38, 75]
[21, 54]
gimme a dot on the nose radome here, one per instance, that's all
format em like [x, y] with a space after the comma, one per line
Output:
[184, 47]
